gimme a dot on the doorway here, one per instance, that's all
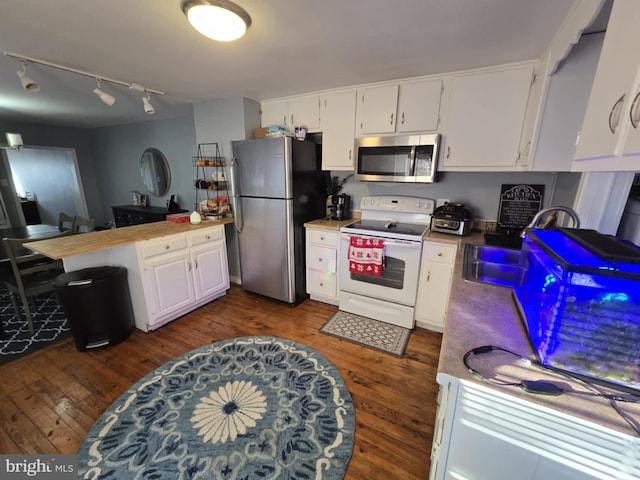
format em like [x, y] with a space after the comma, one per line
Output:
[49, 180]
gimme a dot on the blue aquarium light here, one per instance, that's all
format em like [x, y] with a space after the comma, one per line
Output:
[581, 309]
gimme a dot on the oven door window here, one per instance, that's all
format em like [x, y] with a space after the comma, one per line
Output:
[392, 275]
[385, 161]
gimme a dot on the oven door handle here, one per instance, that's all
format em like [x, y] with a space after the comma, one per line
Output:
[388, 241]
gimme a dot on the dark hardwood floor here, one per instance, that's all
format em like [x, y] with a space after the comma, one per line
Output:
[51, 398]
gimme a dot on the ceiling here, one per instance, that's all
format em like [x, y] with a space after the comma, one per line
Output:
[292, 47]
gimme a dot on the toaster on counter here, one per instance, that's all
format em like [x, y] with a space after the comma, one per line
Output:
[452, 218]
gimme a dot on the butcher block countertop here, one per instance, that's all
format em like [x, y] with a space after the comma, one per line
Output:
[63, 247]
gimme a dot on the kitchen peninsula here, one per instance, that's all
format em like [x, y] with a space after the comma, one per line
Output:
[487, 431]
[172, 268]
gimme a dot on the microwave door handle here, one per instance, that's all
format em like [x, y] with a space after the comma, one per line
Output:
[412, 161]
[233, 167]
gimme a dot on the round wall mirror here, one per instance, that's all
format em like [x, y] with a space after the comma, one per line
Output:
[155, 172]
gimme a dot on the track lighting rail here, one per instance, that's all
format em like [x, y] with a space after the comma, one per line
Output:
[95, 76]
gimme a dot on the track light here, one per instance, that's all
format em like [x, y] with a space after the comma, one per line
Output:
[219, 20]
[148, 108]
[31, 86]
[104, 96]
[14, 141]
[27, 82]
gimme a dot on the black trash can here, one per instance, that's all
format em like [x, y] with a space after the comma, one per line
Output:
[98, 305]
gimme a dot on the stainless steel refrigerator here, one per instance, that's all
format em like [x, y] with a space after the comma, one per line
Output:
[277, 186]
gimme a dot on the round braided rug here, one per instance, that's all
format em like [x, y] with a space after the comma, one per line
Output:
[244, 408]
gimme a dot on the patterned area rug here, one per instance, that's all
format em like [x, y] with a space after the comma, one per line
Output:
[245, 408]
[49, 322]
[368, 332]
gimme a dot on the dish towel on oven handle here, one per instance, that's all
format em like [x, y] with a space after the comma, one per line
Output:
[366, 256]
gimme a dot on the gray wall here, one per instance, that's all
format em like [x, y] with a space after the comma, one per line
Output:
[117, 152]
[223, 121]
[480, 192]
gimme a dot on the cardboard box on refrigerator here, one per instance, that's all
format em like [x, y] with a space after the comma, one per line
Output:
[260, 132]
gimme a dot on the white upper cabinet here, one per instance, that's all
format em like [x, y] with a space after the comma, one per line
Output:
[338, 126]
[563, 107]
[293, 112]
[485, 119]
[609, 139]
[407, 107]
[377, 109]
[419, 106]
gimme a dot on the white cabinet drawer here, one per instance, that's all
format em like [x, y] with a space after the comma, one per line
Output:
[322, 258]
[438, 252]
[322, 283]
[206, 235]
[322, 236]
[171, 243]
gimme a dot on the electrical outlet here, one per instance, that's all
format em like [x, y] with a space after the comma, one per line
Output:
[441, 201]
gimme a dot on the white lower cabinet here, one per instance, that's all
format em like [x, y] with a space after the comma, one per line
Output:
[485, 434]
[322, 265]
[168, 284]
[208, 254]
[168, 276]
[181, 272]
[434, 286]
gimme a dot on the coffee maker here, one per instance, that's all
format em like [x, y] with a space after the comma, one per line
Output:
[339, 207]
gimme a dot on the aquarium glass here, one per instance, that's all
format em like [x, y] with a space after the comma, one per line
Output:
[582, 313]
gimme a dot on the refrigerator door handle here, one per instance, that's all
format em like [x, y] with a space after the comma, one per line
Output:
[234, 193]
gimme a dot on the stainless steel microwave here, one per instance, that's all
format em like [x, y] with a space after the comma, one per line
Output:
[409, 158]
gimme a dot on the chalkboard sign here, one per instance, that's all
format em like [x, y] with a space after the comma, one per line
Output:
[519, 204]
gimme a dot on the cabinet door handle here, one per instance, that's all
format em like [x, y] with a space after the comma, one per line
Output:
[428, 275]
[402, 119]
[167, 247]
[612, 115]
[349, 154]
[195, 264]
[207, 237]
[391, 123]
[188, 266]
[634, 104]
[448, 151]
[440, 254]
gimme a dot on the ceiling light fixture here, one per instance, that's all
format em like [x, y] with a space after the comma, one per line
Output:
[219, 20]
[108, 99]
[148, 108]
[104, 96]
[29, 84]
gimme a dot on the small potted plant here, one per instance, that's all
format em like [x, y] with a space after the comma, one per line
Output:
[335, 184]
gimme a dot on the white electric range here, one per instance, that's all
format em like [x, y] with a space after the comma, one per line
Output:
[400, 222]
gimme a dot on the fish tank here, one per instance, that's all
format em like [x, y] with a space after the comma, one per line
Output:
[578, 293]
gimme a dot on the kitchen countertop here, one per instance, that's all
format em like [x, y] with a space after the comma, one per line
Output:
[58, 248]
[328, 224]
[482, 314]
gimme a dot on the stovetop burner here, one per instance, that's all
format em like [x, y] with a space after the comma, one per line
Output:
[388, 227]
[405, 218]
